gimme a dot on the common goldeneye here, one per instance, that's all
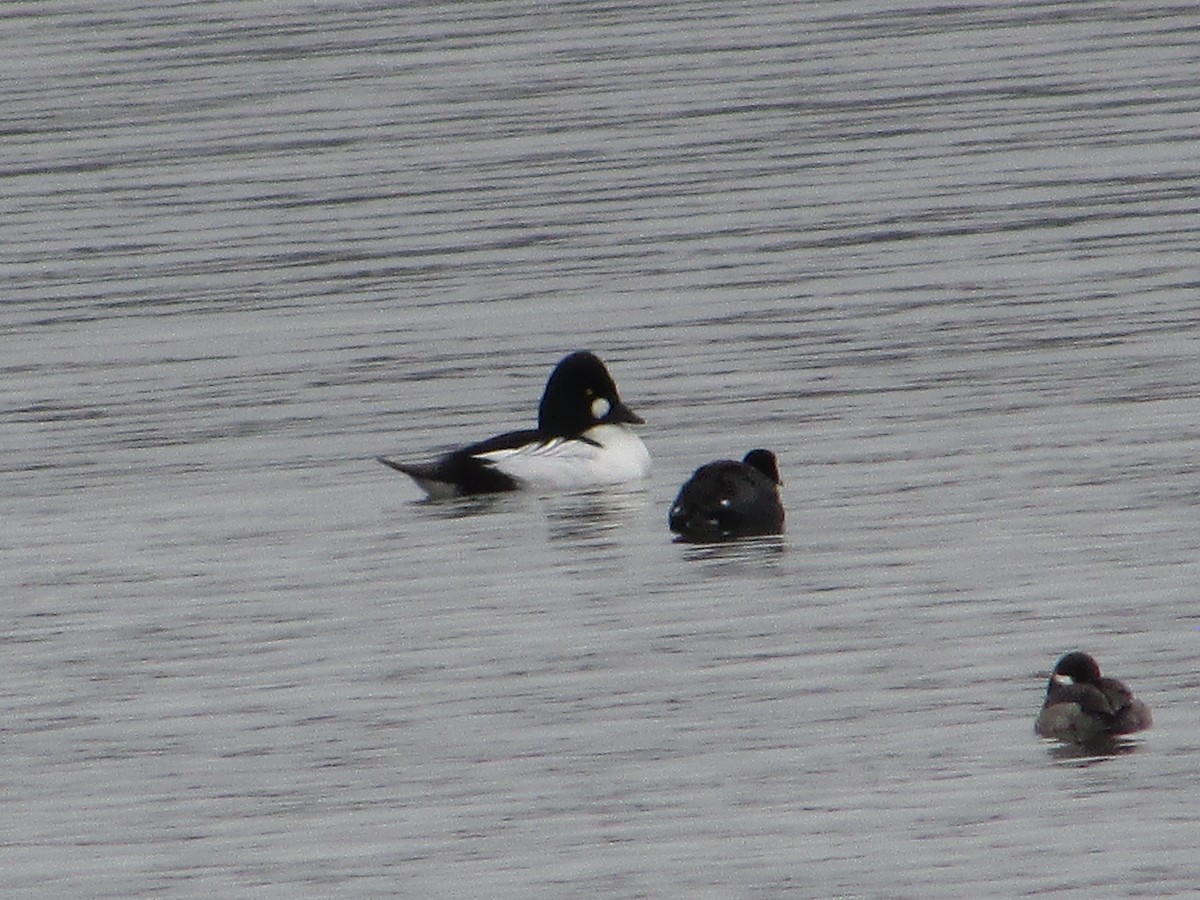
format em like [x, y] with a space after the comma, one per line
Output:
[1084, 707]
[582, 440]
[727, 499]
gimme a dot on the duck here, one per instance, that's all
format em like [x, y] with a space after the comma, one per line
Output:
[1082, 706]
[583, 439]
[727, 499]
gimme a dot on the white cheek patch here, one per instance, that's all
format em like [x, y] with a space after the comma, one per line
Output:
[600, 408]
[1064, 680]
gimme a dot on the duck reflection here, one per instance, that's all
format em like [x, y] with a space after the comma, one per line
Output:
[465, 507]
[753, 555]
[588, 516]
[1093, 752]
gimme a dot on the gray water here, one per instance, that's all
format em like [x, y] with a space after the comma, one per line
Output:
[941, 259]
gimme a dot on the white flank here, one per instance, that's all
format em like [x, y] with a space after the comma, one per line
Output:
[567, 464]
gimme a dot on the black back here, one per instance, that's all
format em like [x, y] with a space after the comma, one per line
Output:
[726, 499]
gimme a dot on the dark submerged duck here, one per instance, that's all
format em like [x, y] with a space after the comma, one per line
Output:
[1082, 706]
[726, 499]
[582, 440]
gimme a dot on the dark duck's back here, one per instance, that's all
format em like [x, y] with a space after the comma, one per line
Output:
[727, 499]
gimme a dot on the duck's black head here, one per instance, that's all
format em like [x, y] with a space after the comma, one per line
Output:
[579, 395]
[1076, 667]
[765, 462]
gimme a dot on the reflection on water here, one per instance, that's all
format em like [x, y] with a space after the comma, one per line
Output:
[1094, 751]
[463, 507]
[587, 516]
[731, 556]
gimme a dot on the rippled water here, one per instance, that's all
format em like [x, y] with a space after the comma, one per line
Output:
[940, 259]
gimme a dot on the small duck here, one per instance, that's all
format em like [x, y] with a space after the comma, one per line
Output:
[582, 440]
[1083, 707]
[726, 499]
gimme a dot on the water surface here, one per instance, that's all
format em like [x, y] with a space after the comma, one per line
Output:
[940, 259]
